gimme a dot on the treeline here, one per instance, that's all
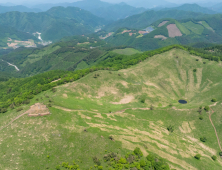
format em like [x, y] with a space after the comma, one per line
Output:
[15, 92]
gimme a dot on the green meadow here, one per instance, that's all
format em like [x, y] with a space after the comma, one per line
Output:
[134, 106]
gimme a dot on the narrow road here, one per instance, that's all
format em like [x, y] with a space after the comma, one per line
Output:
[218, 140]
[12, 65]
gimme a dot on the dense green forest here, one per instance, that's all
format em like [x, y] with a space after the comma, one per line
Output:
[73, 22]
[17, 91]
[71, 53]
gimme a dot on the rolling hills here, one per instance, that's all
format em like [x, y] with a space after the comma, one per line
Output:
[169, 31]
[116, 119]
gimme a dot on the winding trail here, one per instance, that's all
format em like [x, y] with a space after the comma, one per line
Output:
[218, 140]
[13, 120]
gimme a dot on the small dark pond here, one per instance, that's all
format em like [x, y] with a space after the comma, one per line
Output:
[182, 101]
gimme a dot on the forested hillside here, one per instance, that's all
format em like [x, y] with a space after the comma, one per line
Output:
[8, 34]
[143, 20]
[166, 31]
[71, 53]
[53, 27]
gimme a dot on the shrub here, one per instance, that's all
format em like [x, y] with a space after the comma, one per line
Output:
[138, 152]
[201, 107]
[170, 104]
[197, 59]
[122, 161]
[100, 167]
[214, 157]
[96, 161]
[142, 163]
[54, 89]
[204, 62]
[142, 100]
[214, 100]
[195, 70]
[58, 167]
[197, 156]
[201, 117]
[170, 128]
[203, 139]
[19, 109]
[3, 110]
[111, 137]
[220, 153]
[119, 74]
[207, 108]
[151, 107]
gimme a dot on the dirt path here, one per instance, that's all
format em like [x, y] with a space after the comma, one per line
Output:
[13, 120]
[218, 140]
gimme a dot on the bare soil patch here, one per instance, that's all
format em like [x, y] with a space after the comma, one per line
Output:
[38, 109]
[125, 100]
[162, 23]
[160, 36]
[173, 31]
[65, 95]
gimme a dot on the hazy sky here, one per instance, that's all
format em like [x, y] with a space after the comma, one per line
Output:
[112, 1]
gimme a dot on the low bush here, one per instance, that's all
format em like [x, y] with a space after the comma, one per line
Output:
[214, 100]
[96, 161]
[214, 157]
[170, 128]
[201, 117]
[207, 108]
[220, 153]
[19, 109]
[203, 139]
[142, 100]
[195, 70]
[197, 156]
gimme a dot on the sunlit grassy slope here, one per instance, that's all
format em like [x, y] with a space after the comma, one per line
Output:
[111, 105]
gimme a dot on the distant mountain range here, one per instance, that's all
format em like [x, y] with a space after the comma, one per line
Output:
[19, 8]
[146, 18]
[99, 8]
[55, 23]
[193, 8]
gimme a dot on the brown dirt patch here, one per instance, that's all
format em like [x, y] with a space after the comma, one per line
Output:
[160, 36]
[162, 23]
[125, 100]
[173, 31]
[38, 109]
[65, 95]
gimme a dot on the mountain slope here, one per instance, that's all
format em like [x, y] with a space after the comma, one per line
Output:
[117, 11]
[193, 8]
[145, 19]
[103, 115]
[9, 35]
[19, 8]
[168, 31]
[52, 27]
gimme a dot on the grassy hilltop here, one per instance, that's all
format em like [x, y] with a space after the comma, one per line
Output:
[117, 111]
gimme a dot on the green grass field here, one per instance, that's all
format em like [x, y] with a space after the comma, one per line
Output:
[127, 51]
[206, 25]
[196, 28]
[182, 28]
[86, 112]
